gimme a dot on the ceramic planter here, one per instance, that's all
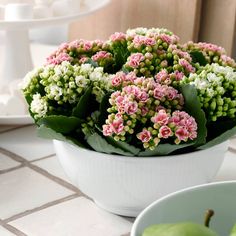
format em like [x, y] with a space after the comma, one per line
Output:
[126, 185]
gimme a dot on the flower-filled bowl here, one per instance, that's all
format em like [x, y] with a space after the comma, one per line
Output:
[125, 185]
[138, 95]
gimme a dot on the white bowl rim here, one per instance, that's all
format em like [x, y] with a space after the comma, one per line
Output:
[121, 157]
[168, 196]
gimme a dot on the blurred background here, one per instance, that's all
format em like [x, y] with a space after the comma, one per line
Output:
[198, 20]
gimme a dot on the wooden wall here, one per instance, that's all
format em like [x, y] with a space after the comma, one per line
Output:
[198, 20]
[218, 23]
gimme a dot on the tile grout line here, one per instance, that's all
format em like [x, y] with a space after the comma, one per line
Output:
[43, 158]
[55, 179]
[11, 169]
[12, 229]
[41, 171]
[14, 128]
[12, 155]
[232, 150]
[42, 207]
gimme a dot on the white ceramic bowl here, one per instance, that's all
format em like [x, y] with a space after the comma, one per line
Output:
[126, 185]
[190, 205]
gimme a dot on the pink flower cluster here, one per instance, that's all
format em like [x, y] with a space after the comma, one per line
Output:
[101, 55]
[163, 77]
[186, 65]
[118, 36]
[211, 47]
[75, 50]
[137, 102]
[179, 126]
[135, 59]
[211, 52]
[57, 60]
[227, 61]
[153, 51]
[140, 40]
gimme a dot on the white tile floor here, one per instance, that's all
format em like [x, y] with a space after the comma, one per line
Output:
[23, 138]
[36, 197]
[7, 163]
[53, 166]
[4, 232]
[80, 216]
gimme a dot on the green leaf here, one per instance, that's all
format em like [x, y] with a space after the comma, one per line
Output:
[219, 132]
[48, 133]
[120, 55]
[123, 145]
[91, 62]
[99, 144]
[164, 149]
[60, 124]
[103, 109]
[83, 107]
[198, 57]
[193, 107]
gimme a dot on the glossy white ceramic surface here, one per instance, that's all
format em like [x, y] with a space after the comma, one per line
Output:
[126, 185]
[190, 205]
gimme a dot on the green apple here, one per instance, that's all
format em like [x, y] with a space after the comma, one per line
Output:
[182, 228]
[233, 232]
[179, 229]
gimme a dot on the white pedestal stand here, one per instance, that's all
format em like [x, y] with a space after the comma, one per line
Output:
[16, 58]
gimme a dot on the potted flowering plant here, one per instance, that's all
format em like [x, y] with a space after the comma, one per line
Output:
[140, 93]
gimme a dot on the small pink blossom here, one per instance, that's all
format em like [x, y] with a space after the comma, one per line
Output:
[158, 108]
[107, 130]
[165, 132]
[168, 38]
[211, 47]
[118, 79]
[163, 77]
[144, 111]
[87, 45]
[171, 93]
[130, 77]
[83, 59]
[161, 118]
[98, 42]
[131, 107]
[115, 94]
[120, 100]
[117, 36]
[142, 96]
[101, 55]
[158, 92]
[228, 60]
[135, 59]
[149, 41]
[144, 136]
[74, 44]
[58, 59]
[182, 134]
[117, 126]
[178, 75]
[63, 47]
[132, 89]
[186, 65]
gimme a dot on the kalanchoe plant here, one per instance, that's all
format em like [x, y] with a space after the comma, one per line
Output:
[140, 93]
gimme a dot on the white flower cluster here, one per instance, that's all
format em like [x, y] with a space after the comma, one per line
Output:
[147, 31]
[62, 84]
[217, 90]
[39, 106]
